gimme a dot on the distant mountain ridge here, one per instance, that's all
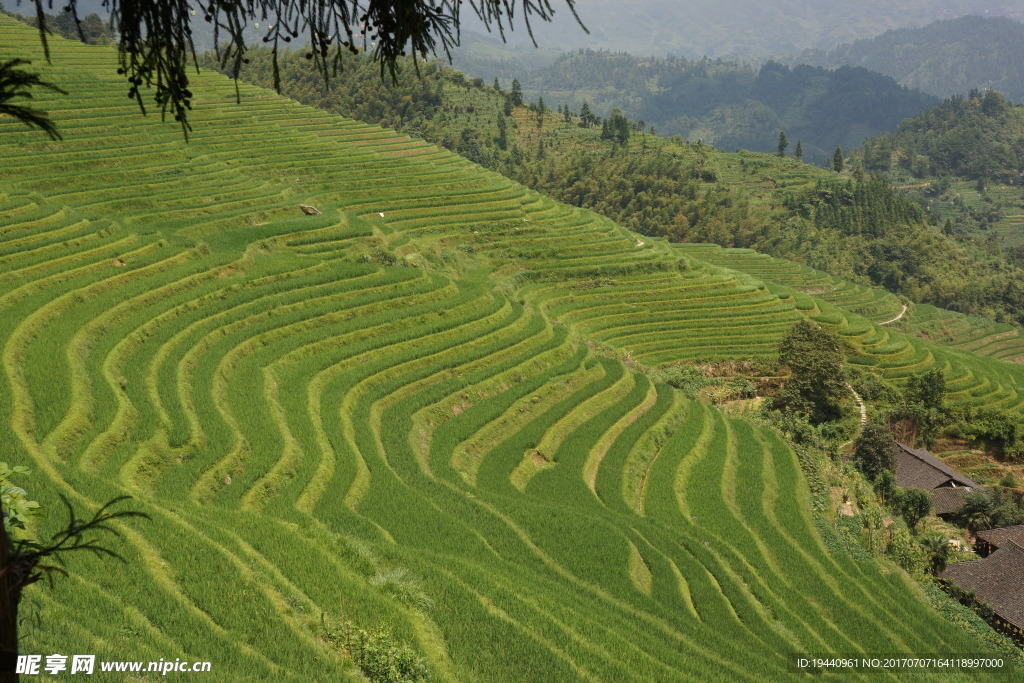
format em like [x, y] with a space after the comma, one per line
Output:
[749, 28]
[694, 28]
[943, 58]
[727, 104]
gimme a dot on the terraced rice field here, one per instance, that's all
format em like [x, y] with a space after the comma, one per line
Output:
[393, 414]
[976, 334]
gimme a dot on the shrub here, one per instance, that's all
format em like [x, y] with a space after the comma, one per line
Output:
[376, 654]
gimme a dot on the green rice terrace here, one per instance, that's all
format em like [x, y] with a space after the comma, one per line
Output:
[418, 410]
[976, 334]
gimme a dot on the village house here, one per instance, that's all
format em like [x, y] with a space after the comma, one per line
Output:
[998, 581]
[918, 468]
[991, 540]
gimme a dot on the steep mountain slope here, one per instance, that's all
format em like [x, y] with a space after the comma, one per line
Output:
[965, 157]
[943, 58]
[417, 410]
[851, 225]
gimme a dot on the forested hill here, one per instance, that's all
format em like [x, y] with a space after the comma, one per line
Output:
[726, 104]
[943, 58]
[964, 158]
[980, 136]
[850, 225]
[746, 27]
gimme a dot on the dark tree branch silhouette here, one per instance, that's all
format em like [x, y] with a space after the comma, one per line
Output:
[24, 562]
[15, 82]
[156, 48]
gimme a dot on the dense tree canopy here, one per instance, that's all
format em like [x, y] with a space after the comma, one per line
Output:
[977, 137]
[873, 451]
[817, 385]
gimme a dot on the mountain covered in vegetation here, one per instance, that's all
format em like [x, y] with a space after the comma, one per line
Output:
[944, 58]
[393, 416]
[727, 104]
[979, 137]
[850, 224]
[964, 159]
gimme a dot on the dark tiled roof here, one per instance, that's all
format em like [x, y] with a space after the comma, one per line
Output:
[948, 500]
[998, 580]
[921, 469]
[1000, 537]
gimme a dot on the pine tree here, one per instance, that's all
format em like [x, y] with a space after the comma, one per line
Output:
[586, 116]
[799, 152]
[517, 93]
[783, 143]
[837, 160]
[502, 139]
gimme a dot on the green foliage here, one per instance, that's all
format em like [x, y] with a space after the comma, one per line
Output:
[866, 228]
[516, 94]
[989, 509]
[975, 137]
[872, 388]
[927, 389]
[837, 160]
[874, 452]
[376, 653]
[1000, 429]
[816, 385]
[925, 404]
[937, 549]
[783, 144]
[886, 488]
[18, 509]
[94, 30]
[913, 504]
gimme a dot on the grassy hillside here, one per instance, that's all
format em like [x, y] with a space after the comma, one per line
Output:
[850, 225]
[419, 410]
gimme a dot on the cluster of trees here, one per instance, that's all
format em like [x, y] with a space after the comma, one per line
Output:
[94, 30]
[816, 386]
[729, 104]
[978, 137]
[862, 229]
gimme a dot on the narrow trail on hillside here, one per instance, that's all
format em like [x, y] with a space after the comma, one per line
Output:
[860, 404]
[897, 317]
